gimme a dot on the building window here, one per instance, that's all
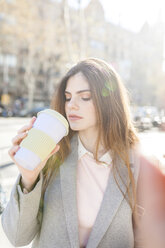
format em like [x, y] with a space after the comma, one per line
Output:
[9, 60]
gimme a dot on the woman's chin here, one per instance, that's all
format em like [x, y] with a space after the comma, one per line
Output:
[75, 128]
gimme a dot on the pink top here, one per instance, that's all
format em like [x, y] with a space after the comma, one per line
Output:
[91, 183]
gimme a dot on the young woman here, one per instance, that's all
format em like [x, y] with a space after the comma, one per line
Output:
[84, 193]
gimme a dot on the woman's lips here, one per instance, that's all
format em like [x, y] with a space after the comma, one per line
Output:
[74, 117]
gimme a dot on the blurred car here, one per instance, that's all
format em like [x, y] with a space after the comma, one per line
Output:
[146, 123]
[32, 112]
[146, 117]
[156, 122]
[4, 111]
[142, 123]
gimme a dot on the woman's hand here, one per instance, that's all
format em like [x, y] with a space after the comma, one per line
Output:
[28, 177]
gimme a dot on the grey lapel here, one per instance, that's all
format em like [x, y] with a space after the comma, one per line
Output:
[109, 206]
[68, 188]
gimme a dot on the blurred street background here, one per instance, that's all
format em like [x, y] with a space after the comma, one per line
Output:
[40, 40]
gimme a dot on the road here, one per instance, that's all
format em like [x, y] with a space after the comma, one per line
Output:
[153, 142]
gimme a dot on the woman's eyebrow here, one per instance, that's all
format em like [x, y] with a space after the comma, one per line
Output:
[78, 92]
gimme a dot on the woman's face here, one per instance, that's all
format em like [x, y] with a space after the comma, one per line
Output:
[79, 107]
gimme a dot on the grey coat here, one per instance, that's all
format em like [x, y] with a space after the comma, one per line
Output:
[21, 220]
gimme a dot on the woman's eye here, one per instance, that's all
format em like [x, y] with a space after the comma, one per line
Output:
[86, 98]
[83, 98]
[67, 99]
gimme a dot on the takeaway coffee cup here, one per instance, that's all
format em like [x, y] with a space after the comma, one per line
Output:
[48, 129]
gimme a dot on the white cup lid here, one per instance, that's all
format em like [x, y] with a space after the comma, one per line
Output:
[57, 115]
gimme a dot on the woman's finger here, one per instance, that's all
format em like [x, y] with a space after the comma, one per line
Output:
[27, 127]
[13, 151]
[17, 139]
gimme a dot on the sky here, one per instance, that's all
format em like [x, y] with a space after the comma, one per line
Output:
[130, 14]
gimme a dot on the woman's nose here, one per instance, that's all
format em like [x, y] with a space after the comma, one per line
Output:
[72, 104]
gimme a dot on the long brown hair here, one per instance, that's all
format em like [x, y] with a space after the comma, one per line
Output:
[112, 109]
